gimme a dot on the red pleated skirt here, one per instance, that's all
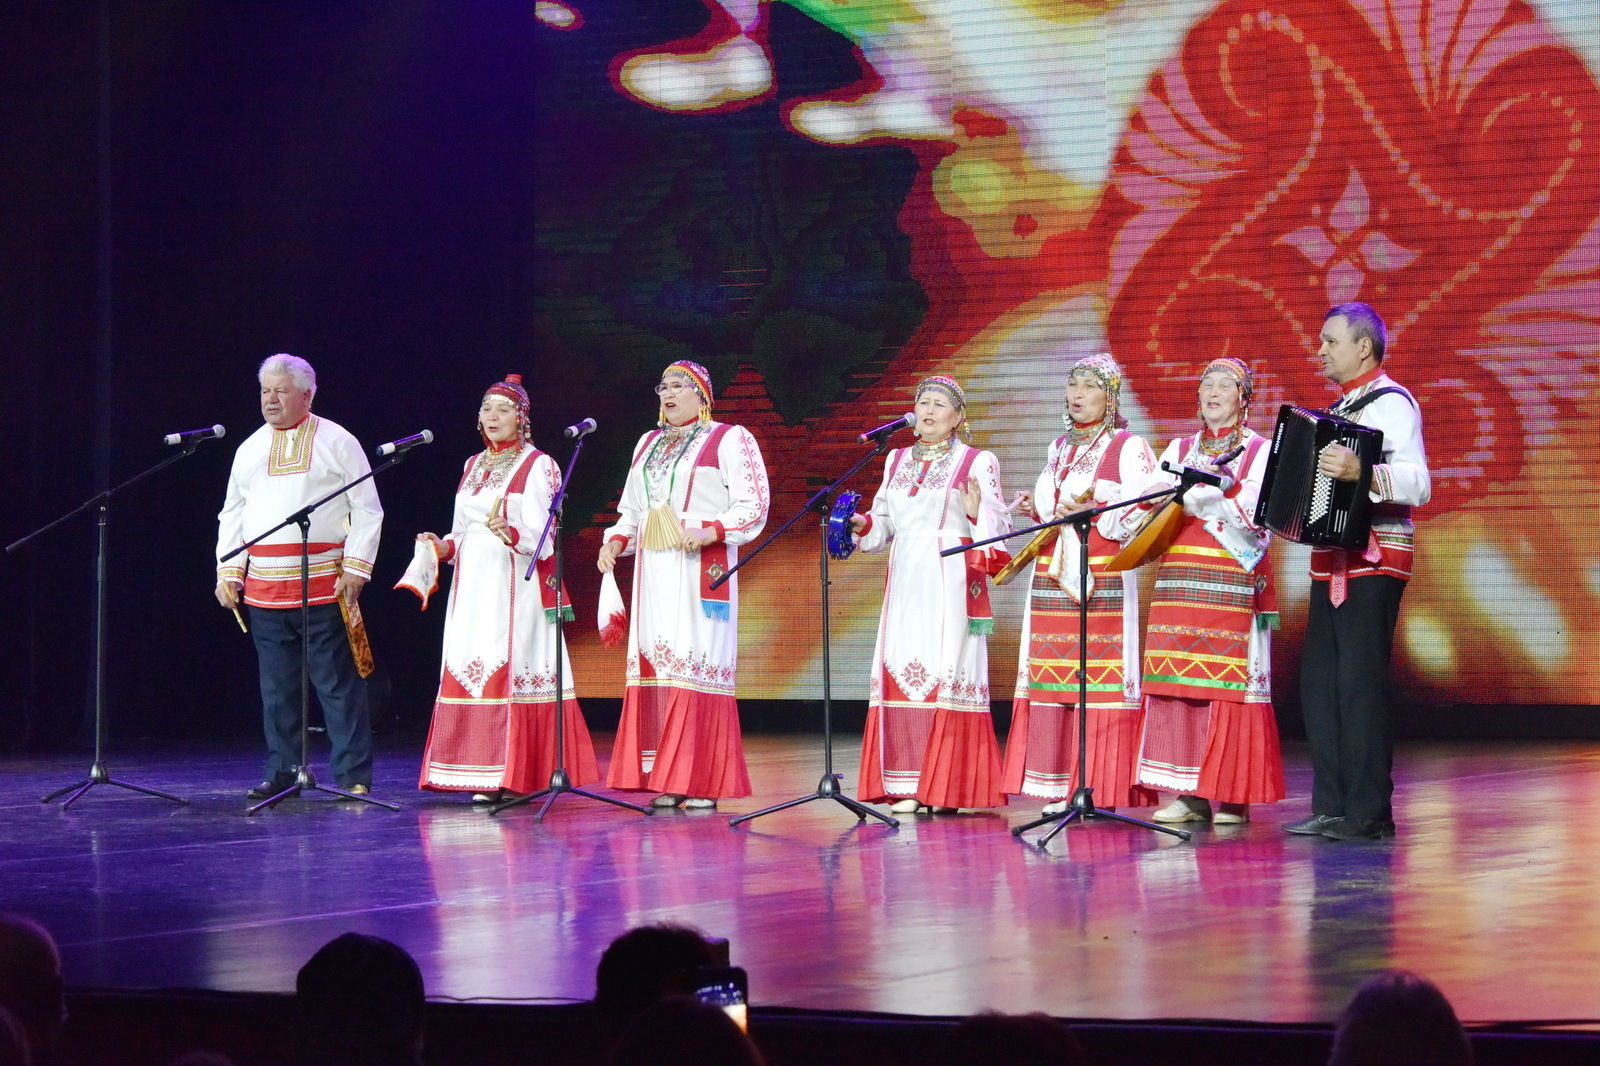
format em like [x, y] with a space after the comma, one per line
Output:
[695, 737]
[960, 763]
[1232, 748]
[510, 746]
[1042, 753]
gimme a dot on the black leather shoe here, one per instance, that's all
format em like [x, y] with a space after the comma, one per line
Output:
[267, 789]
[1311, 827]
[1345, 829]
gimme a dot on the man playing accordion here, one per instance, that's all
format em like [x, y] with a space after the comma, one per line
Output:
[1355, 594]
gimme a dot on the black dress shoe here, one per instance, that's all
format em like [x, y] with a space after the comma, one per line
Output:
[268, 789]
[1311, 827]
[1346, 829]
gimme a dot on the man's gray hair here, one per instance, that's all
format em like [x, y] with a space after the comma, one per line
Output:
[300, 372]
[1363, 322]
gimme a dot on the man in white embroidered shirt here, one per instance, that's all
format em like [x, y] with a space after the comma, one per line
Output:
[295, 458]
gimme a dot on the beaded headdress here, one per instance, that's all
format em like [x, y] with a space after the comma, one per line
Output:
[946, 385]
[1236, 369]
[1108, 374]
[511, 389]
[951, 389]
[700, 378]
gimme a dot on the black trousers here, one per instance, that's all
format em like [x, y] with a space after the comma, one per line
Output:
[339, 687]
[1344, 693]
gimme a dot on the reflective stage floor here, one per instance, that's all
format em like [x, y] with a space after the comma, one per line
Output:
[1490, 889]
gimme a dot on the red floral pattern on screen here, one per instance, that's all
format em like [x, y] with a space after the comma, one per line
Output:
[1436, 160]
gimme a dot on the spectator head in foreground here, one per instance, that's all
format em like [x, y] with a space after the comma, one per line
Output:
[359, 1002]
[1012, 1040]
[1399, 1019]
[31, 988]
[647, 964]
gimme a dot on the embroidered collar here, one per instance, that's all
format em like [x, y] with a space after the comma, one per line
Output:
[1365, 379]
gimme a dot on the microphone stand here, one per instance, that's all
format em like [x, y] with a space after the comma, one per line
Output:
[828, 787]
[304, 780]
[560, 780]
[1082, 802]
[101, 502]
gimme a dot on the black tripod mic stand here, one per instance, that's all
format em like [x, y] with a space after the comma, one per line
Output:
[1082, 802]
[560, 781]
[828, 787]
[101, 503]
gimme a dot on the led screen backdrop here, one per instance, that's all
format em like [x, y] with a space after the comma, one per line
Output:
[826, 200]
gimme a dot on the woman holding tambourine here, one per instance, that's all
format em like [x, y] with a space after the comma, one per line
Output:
[929, 738]
[1096, 462]
[1209, 730]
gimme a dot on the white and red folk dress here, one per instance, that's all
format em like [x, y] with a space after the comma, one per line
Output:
[679, 732]
[929, 731]
[494, 722]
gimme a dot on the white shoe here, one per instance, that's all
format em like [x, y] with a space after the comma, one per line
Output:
[667, 800]
[906, 806]
[700, 803]
[1231, 814]
[1184, 809]
[1058, 807]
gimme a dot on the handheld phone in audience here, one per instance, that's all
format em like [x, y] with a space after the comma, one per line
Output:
[726, 987]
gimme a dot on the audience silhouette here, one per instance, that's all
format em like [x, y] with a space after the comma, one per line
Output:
[359, 1002]
[995, 1039]
[31, 987]
[1399, 1019]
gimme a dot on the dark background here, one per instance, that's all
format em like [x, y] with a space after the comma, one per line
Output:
[190, 187]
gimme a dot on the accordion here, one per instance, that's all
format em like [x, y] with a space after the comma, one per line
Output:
[1304, 505]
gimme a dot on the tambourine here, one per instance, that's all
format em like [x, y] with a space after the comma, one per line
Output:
[841, 541]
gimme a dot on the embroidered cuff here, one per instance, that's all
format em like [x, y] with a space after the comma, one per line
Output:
[721, 531]
[359, 567]
[1382, 483]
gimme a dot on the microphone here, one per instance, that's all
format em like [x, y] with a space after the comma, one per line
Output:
[405, 444]
[1194, 476]
[907, 419]
[195, 435]
[582, 429]
[1191, 475]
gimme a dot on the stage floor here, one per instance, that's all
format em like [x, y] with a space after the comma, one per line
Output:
[1490, 889]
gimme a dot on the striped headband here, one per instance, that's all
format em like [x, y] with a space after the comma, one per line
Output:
[695, 373]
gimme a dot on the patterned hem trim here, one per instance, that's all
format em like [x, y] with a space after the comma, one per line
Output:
[687, 686]
[1043, 686]
[464, 781]
[537, 701]
[1169, 778]
[1197, 682]
[901, 783]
